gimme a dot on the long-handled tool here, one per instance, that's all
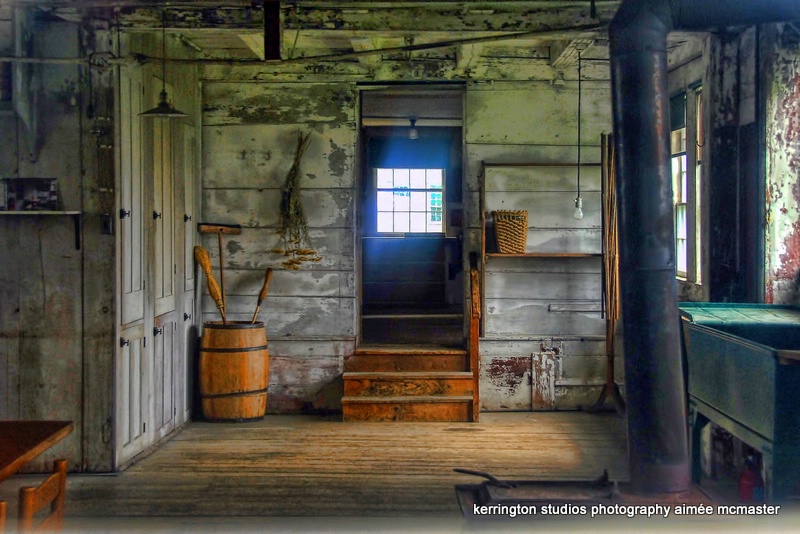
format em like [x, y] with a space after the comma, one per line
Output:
[263, 293]
[201, 255]
[219, 229]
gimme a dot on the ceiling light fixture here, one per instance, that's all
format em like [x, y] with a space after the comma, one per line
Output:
[578, 200]
[413, 133]
[164, 110]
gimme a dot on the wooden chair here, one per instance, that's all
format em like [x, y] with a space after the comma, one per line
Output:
[52, 491]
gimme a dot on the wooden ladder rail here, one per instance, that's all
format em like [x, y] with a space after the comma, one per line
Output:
[474, 348]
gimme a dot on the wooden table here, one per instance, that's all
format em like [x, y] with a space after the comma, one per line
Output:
[21, 441]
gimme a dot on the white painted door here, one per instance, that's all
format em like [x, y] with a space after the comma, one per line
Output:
[131, 227]
[187, 173]
[133, 362]
[152, 363]
[164, 217]
[167, 145]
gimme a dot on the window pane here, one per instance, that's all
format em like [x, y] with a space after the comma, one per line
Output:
[418, 201]
[435, 202]
[401, 178]
[401, 222]
[680, 258]
[434, 178]
[680, 221]
[412, 201]
[684, 193]
[385, 180]
[385, 201]
[385, 221]
[401, 200]
[417, 178]
[418, 222]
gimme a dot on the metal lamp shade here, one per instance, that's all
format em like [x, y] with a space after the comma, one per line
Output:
[164, 110]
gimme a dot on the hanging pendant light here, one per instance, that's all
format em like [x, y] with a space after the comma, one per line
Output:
[578, 214]
[413, 133]
[164, 110]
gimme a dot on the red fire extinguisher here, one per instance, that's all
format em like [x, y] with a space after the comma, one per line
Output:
[751, 485]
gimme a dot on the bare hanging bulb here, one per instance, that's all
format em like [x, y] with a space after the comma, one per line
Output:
[578, 214]
[413, 133]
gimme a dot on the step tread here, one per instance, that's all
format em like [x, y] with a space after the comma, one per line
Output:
[401, 351]
[400, 375]
[407, 399]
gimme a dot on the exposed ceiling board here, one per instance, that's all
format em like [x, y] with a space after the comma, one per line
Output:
[566, 56]
[683, 47]
[255, 43]
[233, 30]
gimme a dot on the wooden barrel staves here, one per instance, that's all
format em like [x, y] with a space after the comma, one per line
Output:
[234, 371]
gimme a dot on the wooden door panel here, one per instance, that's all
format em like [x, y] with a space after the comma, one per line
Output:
[132, 380]
[187, 172]
[185, 365]
[163, 218]
[164, 350]
[131, 201]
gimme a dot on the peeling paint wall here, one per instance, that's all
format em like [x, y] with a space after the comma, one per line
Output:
[543, 345]
[514, 113]
[249, 138]
[782, 262]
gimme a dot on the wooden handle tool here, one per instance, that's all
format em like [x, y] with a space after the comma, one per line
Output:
[263, 293]
[201, 255]
[219, 229]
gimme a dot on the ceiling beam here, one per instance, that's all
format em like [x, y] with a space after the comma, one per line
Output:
[564, 55]
[367, 16]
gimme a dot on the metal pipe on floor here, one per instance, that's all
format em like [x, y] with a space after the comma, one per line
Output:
[657, 423]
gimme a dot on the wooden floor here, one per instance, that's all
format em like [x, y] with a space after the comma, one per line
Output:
[305, 473]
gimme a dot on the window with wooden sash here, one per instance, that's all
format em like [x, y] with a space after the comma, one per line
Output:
[410, 200]
[686, 112]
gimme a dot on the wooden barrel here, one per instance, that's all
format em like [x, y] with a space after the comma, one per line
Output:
[234, 371]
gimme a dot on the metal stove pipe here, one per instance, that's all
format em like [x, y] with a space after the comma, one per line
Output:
[657, 426]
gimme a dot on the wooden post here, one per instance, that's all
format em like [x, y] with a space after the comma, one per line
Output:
[474, 345]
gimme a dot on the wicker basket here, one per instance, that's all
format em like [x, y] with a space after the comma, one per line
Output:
[511, 231]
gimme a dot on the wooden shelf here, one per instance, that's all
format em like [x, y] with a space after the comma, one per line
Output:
[76, 219]
[513, 184]
[39, 212]
[574, 164]
[546, 255]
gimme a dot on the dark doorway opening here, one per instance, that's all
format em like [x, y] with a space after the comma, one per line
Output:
[412, 282]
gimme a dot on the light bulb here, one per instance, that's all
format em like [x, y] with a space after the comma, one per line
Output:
[578, 208]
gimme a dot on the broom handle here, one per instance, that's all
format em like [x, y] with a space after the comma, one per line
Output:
[201, 255]
[263, 293]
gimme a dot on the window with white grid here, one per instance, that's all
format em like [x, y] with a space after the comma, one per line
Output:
[410, 200]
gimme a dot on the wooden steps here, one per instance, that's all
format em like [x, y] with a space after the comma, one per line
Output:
[416, 384]
[408, 384]
[384, 359]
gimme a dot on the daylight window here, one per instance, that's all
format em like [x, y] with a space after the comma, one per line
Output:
[686, 112]
[410, 200]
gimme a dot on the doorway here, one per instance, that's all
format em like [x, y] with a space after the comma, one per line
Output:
[412, 283]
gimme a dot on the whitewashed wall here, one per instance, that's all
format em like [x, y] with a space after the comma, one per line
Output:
[248, 143]
[543, 346]
[249, 140]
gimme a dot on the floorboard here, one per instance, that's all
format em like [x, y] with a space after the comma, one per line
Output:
[306, 473]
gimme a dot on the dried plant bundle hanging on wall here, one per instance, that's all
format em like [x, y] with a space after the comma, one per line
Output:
[293, 228]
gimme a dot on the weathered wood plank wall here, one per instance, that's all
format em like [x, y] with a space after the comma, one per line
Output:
[249, 123]
[41, 303]
[544, 332]
[249, 137]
